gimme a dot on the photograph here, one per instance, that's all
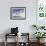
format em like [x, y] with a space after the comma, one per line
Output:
[18, 13]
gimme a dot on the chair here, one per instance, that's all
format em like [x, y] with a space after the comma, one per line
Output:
[25, 43]
[14, 32]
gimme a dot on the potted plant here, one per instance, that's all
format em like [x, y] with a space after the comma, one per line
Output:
[35, 26]
[42, 27]
[39, 36]
[38, 27]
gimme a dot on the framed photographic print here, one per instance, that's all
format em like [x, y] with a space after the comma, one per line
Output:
[18, 13]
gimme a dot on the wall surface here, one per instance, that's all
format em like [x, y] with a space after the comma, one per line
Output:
[24, 25]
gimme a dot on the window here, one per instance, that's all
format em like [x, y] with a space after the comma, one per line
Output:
[41, 8]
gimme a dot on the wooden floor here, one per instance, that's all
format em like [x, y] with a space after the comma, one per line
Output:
[13, 44]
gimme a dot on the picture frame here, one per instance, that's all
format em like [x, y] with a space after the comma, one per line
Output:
[18, 13]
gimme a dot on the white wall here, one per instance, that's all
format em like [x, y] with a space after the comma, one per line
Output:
[24, 25]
